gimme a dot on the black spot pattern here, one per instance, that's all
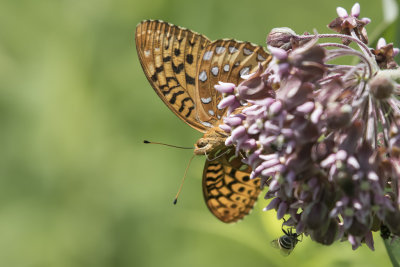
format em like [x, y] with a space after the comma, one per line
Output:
[189, 58]
[228, 188]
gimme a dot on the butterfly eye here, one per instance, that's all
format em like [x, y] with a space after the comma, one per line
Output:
[201, 143]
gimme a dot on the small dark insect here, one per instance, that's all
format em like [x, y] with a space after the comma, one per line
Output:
[287, 242]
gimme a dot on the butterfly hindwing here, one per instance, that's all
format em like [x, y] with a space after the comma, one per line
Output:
[169, 56]
[229, 192]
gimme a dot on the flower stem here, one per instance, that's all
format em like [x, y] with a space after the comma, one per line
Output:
[342, 36]
[390, 253]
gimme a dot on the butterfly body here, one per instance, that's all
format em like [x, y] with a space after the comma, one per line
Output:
[183, 67]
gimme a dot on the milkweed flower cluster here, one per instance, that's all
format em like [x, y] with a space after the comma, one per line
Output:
[323, 137]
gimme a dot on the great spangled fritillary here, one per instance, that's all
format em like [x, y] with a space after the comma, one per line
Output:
[183, 67]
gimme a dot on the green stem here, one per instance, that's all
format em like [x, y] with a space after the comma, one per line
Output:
[390, 253]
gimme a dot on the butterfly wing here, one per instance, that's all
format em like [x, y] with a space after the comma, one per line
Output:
[169, 56]
[183, 67]
[229, 192]
[224, 60]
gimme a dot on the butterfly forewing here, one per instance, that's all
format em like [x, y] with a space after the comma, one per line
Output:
[229, 192]
[169, 56]
[224, 60]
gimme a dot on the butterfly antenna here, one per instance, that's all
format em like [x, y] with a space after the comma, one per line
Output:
[157, 143]
[183, 180]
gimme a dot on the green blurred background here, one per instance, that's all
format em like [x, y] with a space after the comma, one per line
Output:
[78, 187]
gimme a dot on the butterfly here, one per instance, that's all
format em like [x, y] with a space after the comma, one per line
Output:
[183, 66]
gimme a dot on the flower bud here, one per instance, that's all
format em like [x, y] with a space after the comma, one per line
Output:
[234, 121]
[255, 87]
[273, 204]
[381, 86]
[341, 12]
[326, 236]
[315, 215]
[306, 107]
[280, 38]
[338, 116]
[359, 229]
[225, 128]
[381, 43]
[238, 132]
[226, 101]
[225, 87]
[355, 10]
[369, 240]
[282, 210]
[275, 107]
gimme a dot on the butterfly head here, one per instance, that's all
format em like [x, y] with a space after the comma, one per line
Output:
[212, 140]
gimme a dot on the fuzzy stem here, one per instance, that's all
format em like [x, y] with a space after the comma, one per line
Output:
[336, 45]
[342, 36]
[361, 45]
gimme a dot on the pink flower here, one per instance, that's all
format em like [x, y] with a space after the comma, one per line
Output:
[326, 141]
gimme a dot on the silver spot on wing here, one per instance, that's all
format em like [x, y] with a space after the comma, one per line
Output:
[219, 49]
[214, 71]
[206, 100]
[203, 76]
[244, 71]
[207, 55]
[207, 124]
[260, 57]
[226, 68]
[232, 49]
[247, 52]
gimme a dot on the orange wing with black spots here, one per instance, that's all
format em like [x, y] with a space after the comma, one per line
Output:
[229, 192]
[183, 67]
[169, 56]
